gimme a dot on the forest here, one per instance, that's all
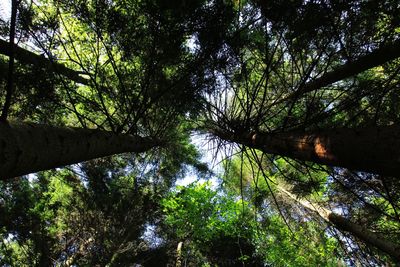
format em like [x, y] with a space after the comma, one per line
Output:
[200, 133]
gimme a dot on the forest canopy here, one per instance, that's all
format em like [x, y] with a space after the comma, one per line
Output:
[284, 114]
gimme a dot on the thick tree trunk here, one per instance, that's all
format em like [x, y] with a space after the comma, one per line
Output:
[28, 147]
[374, 149]
[345, 224]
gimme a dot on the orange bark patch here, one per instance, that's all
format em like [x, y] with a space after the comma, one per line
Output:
[321, 150]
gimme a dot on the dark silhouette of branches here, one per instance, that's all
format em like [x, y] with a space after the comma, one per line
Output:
[10, 81]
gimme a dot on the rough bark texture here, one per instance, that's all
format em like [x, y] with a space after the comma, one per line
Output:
[28, 147]
[28, 57]
[374, 149]
[345, 224]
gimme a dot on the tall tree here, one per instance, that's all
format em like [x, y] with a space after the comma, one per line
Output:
[344, 224]
[373, 149]
[28, 148]
[314, 95]
[130, 95]
[309, 201]
[220, 230]
[95, 214]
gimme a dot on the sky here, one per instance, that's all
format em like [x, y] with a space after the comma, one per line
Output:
[207, 152]
[5, 9]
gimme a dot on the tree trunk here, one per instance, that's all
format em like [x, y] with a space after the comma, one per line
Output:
[345, 224]
[179, 254]
[28, 147]
[374, 149]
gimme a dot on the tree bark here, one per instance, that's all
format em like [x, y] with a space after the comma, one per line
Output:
[29, 147]
[179, 254]
[345, 224]
[374, 149]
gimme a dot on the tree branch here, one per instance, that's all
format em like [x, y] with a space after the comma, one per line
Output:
[28, 57]
[10, 81]
[376, 58]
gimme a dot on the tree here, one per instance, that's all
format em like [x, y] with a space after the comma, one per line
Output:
[307, 203]
[208, 227]
[359, 149]
[28, 148]
[95, 214]
[290, 97]
[153, 105]
[314, 85]
[344, 224]
[218, 229]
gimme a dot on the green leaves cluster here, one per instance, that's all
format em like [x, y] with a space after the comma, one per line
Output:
[200, 213]
[224, 227]
[210, 224]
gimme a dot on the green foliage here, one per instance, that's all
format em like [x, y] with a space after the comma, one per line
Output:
[165, 68]
[58, 218]
[281, 247]
[198, 212]
[207, 221]
[292, 240]
[210, 224]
